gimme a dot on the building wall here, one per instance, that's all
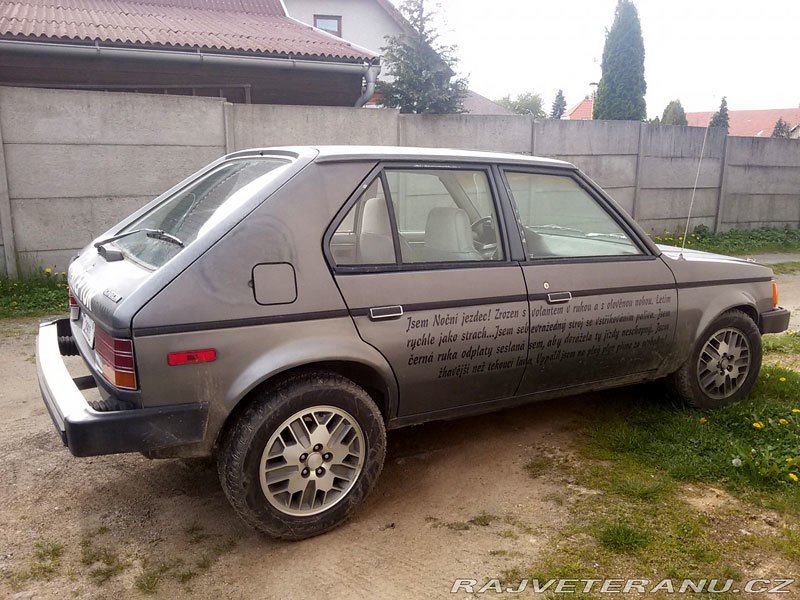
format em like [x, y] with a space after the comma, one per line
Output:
[364, 22]
[73, 163]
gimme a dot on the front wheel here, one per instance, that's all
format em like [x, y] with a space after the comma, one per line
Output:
[303, 455]
[723, 365]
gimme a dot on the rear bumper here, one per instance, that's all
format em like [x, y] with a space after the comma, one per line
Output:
[774, 321]
[87, 432]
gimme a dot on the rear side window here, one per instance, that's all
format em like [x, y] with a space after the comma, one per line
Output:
[431, 215]
[195, 209]
[364, 237]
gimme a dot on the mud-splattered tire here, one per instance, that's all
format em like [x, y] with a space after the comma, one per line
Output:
[723, 365]
[303, 455]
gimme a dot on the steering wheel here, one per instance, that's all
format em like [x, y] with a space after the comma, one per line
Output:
[482, 229]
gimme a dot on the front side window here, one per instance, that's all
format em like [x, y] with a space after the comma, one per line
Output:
[330, 23]
[194, 210]
[561, 219]
[444, 215]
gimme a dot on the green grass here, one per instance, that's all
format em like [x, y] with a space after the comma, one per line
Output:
[751, 447]
[736, 241]
[781, 343]
[38, 293]
[621, 537]
[786, 268]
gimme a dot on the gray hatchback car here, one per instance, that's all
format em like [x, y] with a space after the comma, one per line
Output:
[283, 307]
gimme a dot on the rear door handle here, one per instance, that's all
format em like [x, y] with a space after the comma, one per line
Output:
[559, 297]
[385, 313]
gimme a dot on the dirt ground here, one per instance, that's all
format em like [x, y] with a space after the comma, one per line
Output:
[165, 526]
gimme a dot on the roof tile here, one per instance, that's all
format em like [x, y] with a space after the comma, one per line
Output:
[228, 25]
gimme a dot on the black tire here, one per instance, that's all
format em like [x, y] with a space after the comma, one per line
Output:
[242, 446]
[685, 384]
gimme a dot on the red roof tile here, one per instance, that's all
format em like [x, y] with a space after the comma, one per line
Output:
[227, 25]
[749, 123]
[582, 111]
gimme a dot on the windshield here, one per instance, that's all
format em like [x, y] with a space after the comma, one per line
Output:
[195, 209]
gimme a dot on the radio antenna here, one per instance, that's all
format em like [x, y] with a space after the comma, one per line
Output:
[694, 190]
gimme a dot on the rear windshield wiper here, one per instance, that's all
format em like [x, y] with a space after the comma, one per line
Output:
[114, 255]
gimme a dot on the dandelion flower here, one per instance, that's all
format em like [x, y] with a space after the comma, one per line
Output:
[782, 379]
[758, 425]
[737, 462]
[48, 270]
[796, 410]
[793, 477]
[783, 421]
[703, 420]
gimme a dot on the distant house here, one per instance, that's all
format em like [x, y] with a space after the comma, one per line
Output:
[475, 104]
[245, 51]
[368, 23]
[582, 111]
[363, 22]
[749, 123]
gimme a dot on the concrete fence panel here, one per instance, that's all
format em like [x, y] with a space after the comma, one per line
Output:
[73, 163]
[466, 132]
[260, 125]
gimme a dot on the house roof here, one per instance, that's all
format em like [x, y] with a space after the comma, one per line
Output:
[749, 123]
[475, 104]
[582, 111]
[240, 26]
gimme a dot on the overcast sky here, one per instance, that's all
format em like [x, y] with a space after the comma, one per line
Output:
[695, 50]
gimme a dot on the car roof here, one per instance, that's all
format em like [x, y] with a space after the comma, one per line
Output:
[354, 153]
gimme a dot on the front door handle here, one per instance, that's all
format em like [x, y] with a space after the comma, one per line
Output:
[385, 313]
[559, 297]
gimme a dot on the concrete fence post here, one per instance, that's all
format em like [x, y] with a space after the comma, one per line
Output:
[227, 127]
[533, 136]
[638, 175]
[723, 184]
[6, 224]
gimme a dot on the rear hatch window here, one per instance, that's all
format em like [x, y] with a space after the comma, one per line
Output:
[194, 210]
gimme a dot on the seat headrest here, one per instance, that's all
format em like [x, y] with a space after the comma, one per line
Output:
[448, 235]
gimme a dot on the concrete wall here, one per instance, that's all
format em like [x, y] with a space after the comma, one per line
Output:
[73, 163]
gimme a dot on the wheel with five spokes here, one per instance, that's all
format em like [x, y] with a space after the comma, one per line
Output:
[723, 365]
[303, 455]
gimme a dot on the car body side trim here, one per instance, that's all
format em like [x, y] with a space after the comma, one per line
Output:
[233, 323]
[364, 311]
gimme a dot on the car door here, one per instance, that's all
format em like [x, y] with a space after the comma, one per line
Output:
[429, 283]
[602, 305]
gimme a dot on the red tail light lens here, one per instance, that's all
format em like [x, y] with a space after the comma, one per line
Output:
[116, 359]
[74, 309]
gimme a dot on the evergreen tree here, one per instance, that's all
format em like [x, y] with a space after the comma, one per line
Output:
[720, 118]
[559, 106]
[620, 93]
[528, 103]
[674, 114]
[782, 129]
[423, 69]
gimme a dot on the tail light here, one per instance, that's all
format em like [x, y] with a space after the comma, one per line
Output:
[74, 309]
[116, 359]
[774, 294]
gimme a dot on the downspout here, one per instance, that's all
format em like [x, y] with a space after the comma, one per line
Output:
[370, 78]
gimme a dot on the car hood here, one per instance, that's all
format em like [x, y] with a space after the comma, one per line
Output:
[700, 255]
[698, 266]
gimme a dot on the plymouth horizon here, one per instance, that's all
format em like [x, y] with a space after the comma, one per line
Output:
[282, 308]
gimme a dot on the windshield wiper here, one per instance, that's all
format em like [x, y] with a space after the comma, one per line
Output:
[114, 255]
[557, 228]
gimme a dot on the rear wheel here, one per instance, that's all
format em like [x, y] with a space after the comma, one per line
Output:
[723, 365]
[303, 455]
